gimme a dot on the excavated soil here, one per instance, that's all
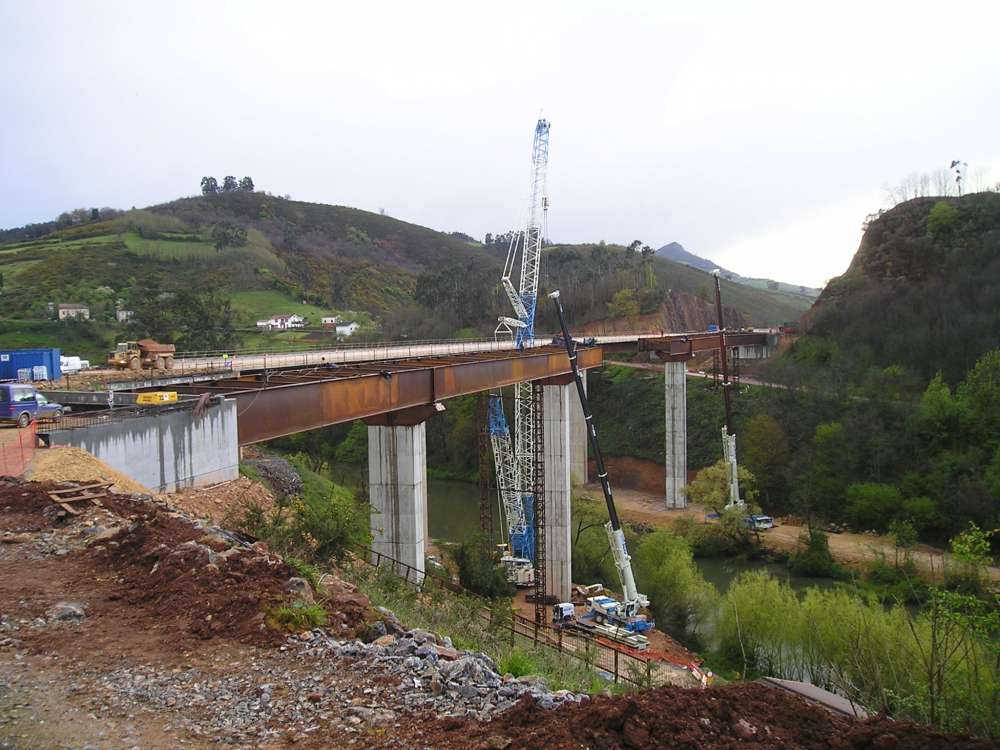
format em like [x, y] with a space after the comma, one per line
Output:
[223, 501]
[139, 562]
[734, 716]
[69, 464]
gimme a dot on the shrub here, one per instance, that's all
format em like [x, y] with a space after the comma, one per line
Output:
[518, 663]
[814, 559]
[297, 617]
[872, 506]
[305, 570]
[941, 219]
[478, 572]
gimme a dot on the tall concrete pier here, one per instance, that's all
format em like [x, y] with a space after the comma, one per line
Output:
[675, 396]
[397, 484]
[577, 435]
[557, 404]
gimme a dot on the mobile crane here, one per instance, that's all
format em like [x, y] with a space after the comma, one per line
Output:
[606, 611]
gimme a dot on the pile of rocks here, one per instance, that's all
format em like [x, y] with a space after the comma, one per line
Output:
[314, 681]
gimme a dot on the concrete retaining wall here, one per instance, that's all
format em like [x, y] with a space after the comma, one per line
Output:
[168, 451]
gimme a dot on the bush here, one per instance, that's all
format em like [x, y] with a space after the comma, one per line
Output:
[518, 663]
[814, 559]
[680, 597]
[297, 617]
[305, 570]
[478, 572]
[872, 506]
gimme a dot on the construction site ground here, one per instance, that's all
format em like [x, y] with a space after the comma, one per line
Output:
[129, 625]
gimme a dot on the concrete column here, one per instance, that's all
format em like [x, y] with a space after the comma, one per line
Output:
[557, 410]
[675, 391]
[577, 435]
[397, 481]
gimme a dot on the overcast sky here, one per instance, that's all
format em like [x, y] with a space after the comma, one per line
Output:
[758, 135]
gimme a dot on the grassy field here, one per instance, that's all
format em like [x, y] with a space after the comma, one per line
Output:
[168, 249]
[259, 304]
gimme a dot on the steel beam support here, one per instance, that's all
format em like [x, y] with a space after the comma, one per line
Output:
[266, 412]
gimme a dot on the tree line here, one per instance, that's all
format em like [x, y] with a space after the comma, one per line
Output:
[210, 185]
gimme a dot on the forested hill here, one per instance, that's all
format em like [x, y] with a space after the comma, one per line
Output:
[234, 257]
[922, 293]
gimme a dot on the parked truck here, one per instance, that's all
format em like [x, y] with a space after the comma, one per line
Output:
[145, 353]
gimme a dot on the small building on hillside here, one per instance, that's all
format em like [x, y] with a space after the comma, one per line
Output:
[281, 322]
[330, 320]
[346, 329]
[74, 310]
[124, 316]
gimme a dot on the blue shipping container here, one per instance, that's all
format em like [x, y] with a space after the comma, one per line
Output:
[12, 360]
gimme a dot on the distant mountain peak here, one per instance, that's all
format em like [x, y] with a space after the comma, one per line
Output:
[676, 252]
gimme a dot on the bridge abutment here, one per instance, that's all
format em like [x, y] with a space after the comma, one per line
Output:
[675, 393]
[558, 403]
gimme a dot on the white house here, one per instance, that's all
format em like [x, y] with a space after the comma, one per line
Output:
[281, 322]
[330, 320]
[346, 329]
[74, 310]
[124, 316]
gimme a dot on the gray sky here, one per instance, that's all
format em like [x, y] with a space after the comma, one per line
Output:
[757, 134]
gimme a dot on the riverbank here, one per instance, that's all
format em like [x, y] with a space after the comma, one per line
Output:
[851, 550]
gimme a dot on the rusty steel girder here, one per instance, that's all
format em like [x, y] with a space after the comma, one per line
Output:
[275, 405]
[682, 348]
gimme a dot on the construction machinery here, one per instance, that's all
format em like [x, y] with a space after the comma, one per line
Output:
[608, 613]
[514, 455]
[728, 434]
[142, 354]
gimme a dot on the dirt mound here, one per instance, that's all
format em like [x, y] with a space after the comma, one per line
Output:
[669, 717]
[157, 568]
[68, 464]
[224, 500]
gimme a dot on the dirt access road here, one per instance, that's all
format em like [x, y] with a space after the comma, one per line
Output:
[853, 550]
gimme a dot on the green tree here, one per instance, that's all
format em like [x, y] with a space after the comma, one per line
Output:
[873, 506]
[229, 184]
[821, 492]
[765, 451]
[941, 219]
[228, 234]
[209, 186]
[710, 488]
[623, 304]
[246, 185]
[680, 597]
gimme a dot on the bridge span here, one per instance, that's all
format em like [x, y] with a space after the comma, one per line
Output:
[395, 388]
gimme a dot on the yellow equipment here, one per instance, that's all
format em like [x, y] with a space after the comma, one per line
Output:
[156, 397]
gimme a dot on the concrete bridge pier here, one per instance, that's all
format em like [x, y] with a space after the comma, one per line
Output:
[559, 399]
[675, 392]
[397, 483]
[578, 435]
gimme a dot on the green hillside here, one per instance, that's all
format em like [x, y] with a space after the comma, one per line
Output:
[233, 258]
[922, 293]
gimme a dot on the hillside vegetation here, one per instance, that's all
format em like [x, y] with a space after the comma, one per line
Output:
[922, 293]
[240, 256]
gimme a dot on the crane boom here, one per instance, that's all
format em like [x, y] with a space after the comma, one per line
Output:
[513, 454]
[728, 433]
[616, 535]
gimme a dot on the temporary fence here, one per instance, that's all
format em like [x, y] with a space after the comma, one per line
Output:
[622, 664]
[17, 447]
